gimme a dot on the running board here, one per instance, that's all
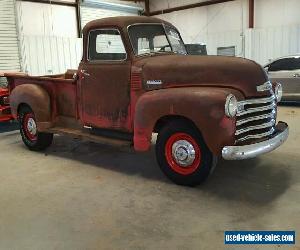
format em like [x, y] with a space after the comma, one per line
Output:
[113, 134]
[86, 135]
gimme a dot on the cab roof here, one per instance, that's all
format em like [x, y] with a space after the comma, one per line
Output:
[121, 22]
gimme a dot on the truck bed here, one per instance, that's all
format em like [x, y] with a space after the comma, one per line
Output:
[62, 89]
[70, 75]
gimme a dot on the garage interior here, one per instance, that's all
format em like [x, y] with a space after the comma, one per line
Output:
[83, 195]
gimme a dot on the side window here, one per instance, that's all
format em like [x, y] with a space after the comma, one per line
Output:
[285, 64]
[106, 44]
[293, 63]
[277, 65]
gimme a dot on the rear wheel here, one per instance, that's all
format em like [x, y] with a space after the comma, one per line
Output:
[34, 140]
[182, 154]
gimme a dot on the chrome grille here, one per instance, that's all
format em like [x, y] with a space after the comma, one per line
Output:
[256, 118]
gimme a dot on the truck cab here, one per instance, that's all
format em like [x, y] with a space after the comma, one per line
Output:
[136, 79]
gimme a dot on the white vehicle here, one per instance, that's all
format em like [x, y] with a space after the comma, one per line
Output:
[286, 70]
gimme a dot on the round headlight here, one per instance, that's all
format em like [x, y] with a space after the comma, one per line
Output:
[278, 92]
[231, 106]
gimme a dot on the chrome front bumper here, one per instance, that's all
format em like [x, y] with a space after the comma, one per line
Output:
[253, 150]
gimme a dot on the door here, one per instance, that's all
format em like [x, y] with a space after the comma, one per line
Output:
[287, 72]
[104, 85]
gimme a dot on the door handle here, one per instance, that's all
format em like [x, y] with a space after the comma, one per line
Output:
[296, 75]
[84, 72]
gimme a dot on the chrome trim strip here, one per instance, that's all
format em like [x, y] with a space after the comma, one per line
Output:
[256, 118]
[253, 150]
[253, 110]
[257, 100]
[257, 136]
[250, 128]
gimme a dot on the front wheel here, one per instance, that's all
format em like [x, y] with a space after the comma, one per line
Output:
[34, 140]
[182, 154]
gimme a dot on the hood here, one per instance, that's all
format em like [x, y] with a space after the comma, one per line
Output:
[163, 71]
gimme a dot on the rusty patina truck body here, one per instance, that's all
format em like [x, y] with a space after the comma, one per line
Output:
[136, 79]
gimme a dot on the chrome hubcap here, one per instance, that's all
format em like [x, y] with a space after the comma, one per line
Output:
[31, 126]
[183, 153]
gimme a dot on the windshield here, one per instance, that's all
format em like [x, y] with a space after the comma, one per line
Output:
[155, 38]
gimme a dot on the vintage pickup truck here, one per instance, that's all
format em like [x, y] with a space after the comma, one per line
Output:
[135, 79]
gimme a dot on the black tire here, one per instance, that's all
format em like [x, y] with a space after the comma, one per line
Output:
[37, 142]
[195, 173]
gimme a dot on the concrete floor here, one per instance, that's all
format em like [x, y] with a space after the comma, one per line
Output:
[80, 195]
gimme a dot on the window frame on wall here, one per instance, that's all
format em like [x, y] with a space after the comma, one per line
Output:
[221, 51]
[103, 60]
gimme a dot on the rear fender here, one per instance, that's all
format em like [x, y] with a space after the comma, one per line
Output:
[37, 98]
[204, 106]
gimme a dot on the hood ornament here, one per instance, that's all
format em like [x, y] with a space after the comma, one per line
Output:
[264, 87]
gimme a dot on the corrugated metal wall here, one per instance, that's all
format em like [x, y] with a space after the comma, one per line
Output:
[276, 30]
[50, 55]
[263, 45]
[9, 48]
[46, 55]
[91, 10]
[226, 39]
[46, 52]
[55, 54]
[90, 13]
[260, 45]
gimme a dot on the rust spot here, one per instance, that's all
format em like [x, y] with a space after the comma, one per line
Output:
[228, 124]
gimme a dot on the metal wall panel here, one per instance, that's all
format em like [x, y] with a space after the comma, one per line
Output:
[54, 54]
[224, 39]
[9, 47]
[91, 10]
[50, 55]
[260, 45]
[89, 13]
[47, 55]
[267, 44]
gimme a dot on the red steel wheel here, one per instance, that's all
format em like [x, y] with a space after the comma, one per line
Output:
[29, 126]
[183, 154]
[31, 137]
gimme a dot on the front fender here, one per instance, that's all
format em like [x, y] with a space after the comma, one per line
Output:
[204, 106]
[37, 98]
